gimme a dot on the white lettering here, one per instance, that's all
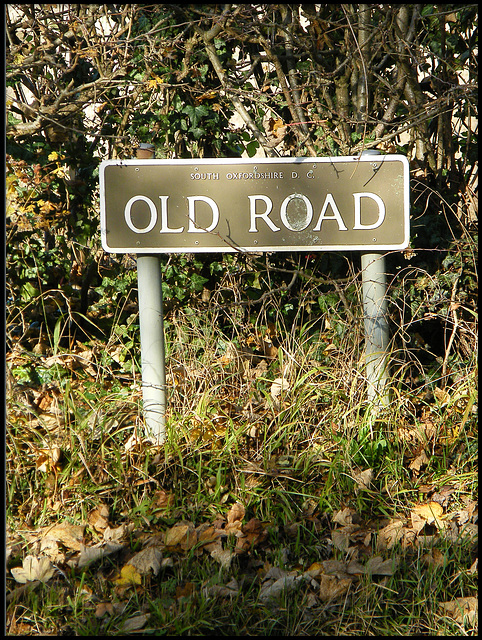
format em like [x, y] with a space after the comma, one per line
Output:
[192, 214]
[381, 211]
[128, 218]
[303, 218]
[264, 216]
[330, 200]
[164, 225]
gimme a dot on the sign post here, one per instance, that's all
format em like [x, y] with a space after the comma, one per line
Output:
[151, 326]
[347, 203]
[374, 293]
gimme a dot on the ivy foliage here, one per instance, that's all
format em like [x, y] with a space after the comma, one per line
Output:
[89, 82]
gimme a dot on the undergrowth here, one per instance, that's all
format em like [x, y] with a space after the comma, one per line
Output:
[266, 409]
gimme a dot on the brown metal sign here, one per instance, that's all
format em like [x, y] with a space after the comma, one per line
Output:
[280, 204]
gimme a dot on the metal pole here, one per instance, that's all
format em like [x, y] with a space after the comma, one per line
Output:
[151, 323]
[374, 290]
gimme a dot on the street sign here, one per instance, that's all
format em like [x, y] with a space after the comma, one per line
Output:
[272, 204]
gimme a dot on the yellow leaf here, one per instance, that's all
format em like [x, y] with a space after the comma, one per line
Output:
[154, 82]
[61, 172]
[431, 511]
[53, 156]
[128, 576]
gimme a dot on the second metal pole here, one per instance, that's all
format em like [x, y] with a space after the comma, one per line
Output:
[374, 290]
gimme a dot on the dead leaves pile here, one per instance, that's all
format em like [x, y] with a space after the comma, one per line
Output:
[363, 552]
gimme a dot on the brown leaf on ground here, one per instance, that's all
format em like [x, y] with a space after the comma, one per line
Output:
[109, 608]
[70, 535]
[116, 534]
[185, 590]
[273, 590]
[380, 567]
[223, 556]
[429, 513]
[163, 499]
[98, 518]
[420, 461]
[135, 623]
[363, 479]
[434, 559]
[147, 560]
[92, 554]
[229, 590]
[461, 609]
[342, 538]
[236, 513]
[48, 459]
[332, 587]
[254, 532]
[181, 536]
[344, 516]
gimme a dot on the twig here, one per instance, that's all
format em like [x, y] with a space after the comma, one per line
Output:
[452, 308]
[265, 296]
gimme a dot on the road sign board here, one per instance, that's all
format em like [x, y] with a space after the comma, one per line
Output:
[272, 204]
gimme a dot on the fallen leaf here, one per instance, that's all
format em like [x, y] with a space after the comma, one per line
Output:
[50, 547]
[428, 513]
[469, 531]
[334, 567]
[364, 479]
[163, 499]
[378, 566]
[223, 556]
[186, 590]
[332, 587]
[462, 610]
[102, 608]
[390, 535]
[236, 513]
[279, 385]
[181, 535]
[355, 568]
[70, 535]
[147, 560]
[98, 518]
[33, 569]
[341, 538]
[314, 569]
[442, 396]
[273, 591]
[434, 559]
[254, 532]
[128, 576]
[92, 554]
[344, 516]
[135, 623]
[420, 461]
[48, 459]
[117, 533]
[224, 591]
[443, 496]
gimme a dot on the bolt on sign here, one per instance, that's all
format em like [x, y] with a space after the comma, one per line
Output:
[272, 204]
